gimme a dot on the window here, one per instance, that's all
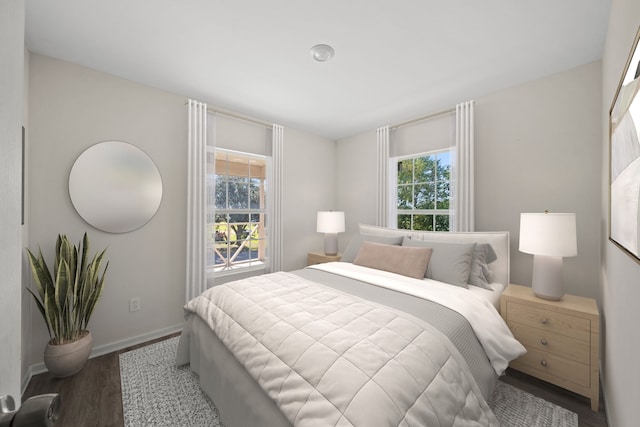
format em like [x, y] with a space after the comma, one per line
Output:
[423, 191]
[236, 210]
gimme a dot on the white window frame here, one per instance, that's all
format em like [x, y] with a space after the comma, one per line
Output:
[236, 268]
[393, 189]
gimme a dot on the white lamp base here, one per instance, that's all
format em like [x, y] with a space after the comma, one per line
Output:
[547, 277]
[331, 243]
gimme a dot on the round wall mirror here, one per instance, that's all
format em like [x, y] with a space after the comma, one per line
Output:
[115, 186]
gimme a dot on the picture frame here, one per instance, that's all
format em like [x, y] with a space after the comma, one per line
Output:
[624, 158]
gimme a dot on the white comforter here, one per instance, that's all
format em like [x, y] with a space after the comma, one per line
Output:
[331, 359]
[492, 332]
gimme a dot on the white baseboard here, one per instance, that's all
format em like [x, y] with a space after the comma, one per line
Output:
[39, 368]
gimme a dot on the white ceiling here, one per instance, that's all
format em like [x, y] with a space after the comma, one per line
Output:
[395, 60]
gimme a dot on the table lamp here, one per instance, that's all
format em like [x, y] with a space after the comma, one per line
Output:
[549, 237]
[330, 223]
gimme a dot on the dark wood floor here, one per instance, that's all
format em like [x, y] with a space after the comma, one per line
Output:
[92, 397]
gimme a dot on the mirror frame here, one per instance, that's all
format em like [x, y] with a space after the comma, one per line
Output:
[115, 187]
[618, 212]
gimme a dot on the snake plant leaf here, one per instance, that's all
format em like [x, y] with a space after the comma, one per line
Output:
[62, 285]
[41, 309]
[52, 318]
[83, 258]
[49, 284]
[40, 273]
[96, 291]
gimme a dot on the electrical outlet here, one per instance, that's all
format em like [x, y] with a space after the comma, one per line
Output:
[134, 304]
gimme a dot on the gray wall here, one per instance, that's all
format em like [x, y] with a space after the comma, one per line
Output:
[620, 273]
[26, 269]
[12, 24]
[537, 147]
[309, 186]
[71, 108]
[356, 177]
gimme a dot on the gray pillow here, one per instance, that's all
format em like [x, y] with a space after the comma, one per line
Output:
[479, 274]
[354, 246]
[408, 261]
[450, 262]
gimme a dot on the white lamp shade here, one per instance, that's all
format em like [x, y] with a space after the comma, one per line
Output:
[549, 234]
[330, 222]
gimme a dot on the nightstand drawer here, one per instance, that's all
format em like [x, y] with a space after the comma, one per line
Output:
[571, 326]
[536, 361]
[561, 345]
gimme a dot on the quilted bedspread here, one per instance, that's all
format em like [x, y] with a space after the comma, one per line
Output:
[331, 359]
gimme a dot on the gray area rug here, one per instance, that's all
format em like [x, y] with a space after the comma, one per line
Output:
[514, 407]
[157, 393]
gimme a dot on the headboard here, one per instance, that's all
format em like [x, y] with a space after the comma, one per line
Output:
[499, 240]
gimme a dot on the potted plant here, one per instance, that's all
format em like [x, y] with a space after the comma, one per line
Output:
[66, 299]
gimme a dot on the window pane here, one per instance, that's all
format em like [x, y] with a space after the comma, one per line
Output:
[443, 195]
[424, 168]
[443, 166]
[405, 197]
[425, 196]
[220, 254]
[239, 225]
[423, 222]
[221, 233]
[211, 201]
[211, 255]
[442, 222]
[405, 171]
[254, 198]
[238, 193]
[404, 222]
[243, 254]
[220, 191]
[265, 186]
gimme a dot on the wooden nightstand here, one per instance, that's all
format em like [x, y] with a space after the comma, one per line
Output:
[320, 257]
[561, 337]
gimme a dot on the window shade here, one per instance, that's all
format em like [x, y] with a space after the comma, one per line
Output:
[435, 133]
[241, 135]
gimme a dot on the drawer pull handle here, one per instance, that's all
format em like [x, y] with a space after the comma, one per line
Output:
[543, 341]
[544, 321]
[543, 363]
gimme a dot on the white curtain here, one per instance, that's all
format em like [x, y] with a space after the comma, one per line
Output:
[464, 182]
[276, 235]
[382, 192]
[196, 280]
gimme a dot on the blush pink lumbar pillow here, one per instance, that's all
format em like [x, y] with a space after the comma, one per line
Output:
[406, 260]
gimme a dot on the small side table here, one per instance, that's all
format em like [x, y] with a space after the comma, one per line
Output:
[320, 257]
[562, 339]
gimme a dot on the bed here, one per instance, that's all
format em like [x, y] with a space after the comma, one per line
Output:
[380, 338]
